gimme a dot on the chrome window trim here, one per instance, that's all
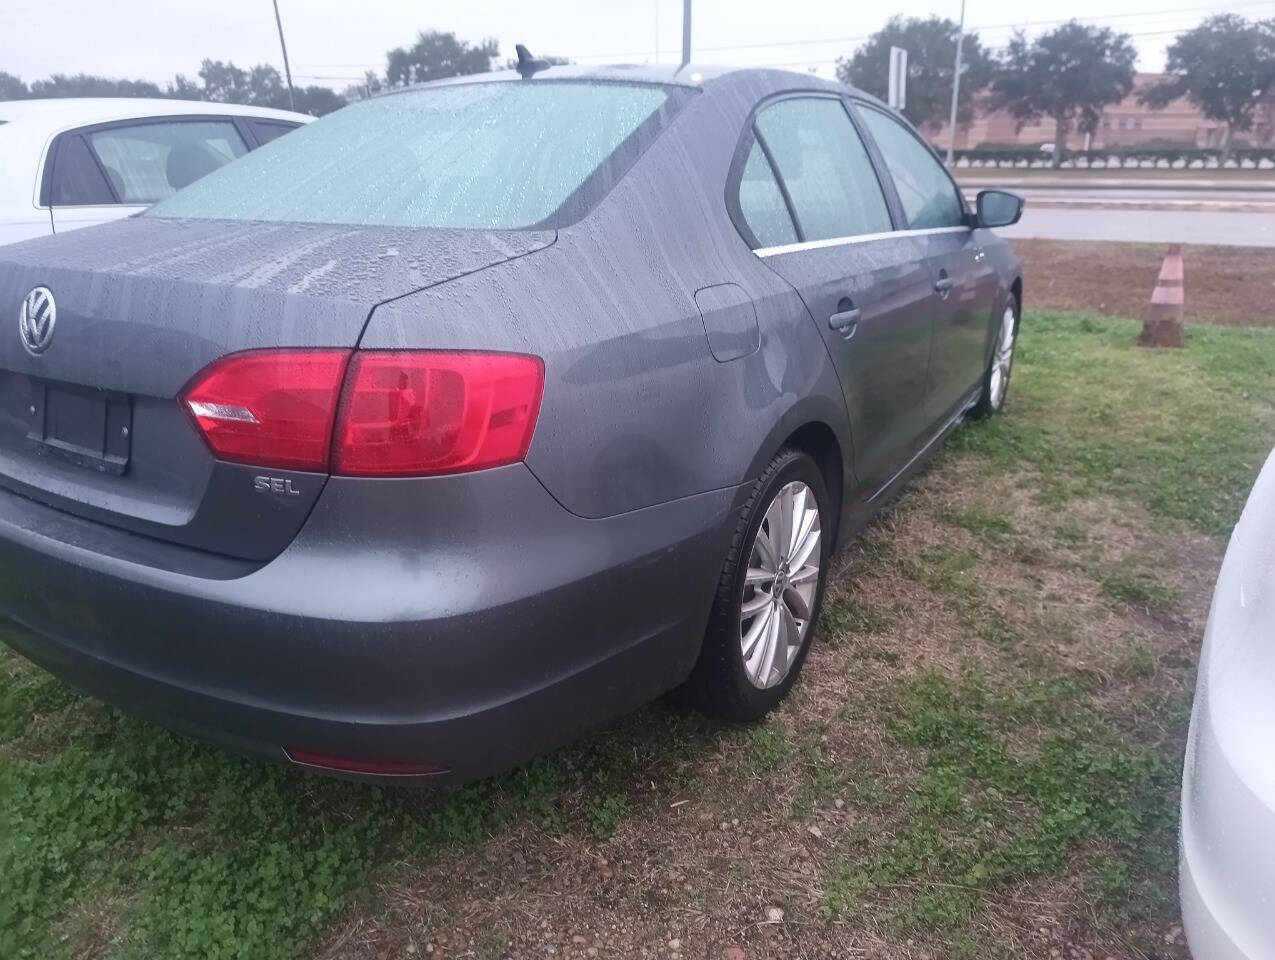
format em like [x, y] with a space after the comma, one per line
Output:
[861, 238]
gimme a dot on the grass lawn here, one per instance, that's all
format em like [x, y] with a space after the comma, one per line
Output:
[982, 759]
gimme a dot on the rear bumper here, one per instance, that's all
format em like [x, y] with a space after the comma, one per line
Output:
[1227, 850]
[466, 622]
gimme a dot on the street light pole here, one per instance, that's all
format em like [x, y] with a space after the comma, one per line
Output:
[686, 32]
[287, 70]
[956, 86]
[657, 31]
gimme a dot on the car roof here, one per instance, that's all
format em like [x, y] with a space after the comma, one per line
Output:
[694, 75]
[61, 112]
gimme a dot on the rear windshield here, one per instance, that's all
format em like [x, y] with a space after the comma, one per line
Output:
[483, 155]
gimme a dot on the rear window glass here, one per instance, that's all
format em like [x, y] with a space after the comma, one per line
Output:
[482, 155]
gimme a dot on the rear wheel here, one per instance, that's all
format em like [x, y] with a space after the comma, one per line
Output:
[768, 599]
[996, 379]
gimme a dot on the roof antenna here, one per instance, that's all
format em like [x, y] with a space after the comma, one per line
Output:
[527, 65]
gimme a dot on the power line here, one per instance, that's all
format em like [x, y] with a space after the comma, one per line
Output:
[826, 61]
[766, 45]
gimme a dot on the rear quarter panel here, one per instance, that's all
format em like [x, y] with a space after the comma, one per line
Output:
[637, 410]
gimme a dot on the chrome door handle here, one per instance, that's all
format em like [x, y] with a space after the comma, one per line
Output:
[845, 322]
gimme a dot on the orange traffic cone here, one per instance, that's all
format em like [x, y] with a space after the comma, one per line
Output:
[1163, 324]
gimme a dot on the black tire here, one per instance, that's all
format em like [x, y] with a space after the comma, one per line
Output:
[719, 684]
[988, 403]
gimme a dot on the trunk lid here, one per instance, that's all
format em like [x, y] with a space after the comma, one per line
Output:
[91, 423]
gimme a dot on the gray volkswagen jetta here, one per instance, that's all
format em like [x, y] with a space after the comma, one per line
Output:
[472, 415]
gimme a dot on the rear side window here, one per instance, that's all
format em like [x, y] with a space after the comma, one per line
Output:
[267, 130]
[77, 179]
[927, 193]
[762, 203]
[146, 162]
[825, 168]
[501, 155]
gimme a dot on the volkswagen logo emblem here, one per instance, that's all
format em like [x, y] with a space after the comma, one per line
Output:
[36, 320]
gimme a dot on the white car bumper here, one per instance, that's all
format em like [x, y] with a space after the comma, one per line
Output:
[1227, 882]
[1227, 865]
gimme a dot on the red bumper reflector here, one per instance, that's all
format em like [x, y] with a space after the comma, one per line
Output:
[392, 768]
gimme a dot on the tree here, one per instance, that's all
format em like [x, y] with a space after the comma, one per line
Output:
[262, 86]
[1069, 75]
[11, 88]
[931, 47]
[369, 86]
[223, 82]
[1225, 66]
[184, 89]
[435, 56]
[316, 100]
[84, 85]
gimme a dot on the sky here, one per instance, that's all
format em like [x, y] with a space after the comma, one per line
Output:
[332, 42]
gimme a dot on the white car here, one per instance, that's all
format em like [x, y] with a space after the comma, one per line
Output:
[68, 163]
[1227, 877]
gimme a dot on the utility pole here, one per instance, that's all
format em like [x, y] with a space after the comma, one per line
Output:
[956, 86]
[287, 70]
[657, 31]
[686, 32]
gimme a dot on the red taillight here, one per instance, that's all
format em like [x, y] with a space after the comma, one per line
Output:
[401, 413]
[411, 413]
[270, 408]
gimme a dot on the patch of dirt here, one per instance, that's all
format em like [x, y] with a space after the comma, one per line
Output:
[1226, 285]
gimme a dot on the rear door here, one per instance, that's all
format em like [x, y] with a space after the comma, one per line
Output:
[107, 171]
[964, 280]
[831, 236]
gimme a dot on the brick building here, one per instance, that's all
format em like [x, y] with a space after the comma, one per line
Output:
[1126, 123]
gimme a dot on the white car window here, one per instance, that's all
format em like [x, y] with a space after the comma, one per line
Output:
[78, 179]
[149, 161]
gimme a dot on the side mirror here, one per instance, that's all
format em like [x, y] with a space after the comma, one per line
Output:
[998, 208]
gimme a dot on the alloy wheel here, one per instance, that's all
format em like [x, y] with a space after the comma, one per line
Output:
[1003, 358]
[780, 585]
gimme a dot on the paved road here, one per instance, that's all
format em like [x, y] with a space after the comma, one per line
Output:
[1083, 197]
[1236, 211]
[1152, 226]
[1167, 196]
[1263, 181]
